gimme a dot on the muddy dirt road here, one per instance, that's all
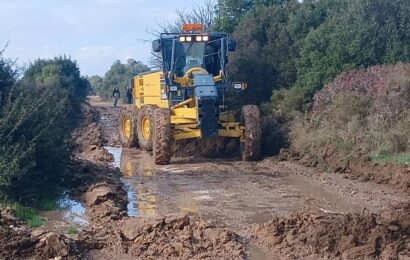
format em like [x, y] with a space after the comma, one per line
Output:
[122, 206]
[232, 193]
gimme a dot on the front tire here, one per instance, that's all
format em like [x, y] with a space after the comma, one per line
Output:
[127, 128]
[145, 122]
[162, 136]
[250, 119]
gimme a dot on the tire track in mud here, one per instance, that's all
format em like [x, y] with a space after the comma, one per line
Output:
[114, 235]
[239, 194]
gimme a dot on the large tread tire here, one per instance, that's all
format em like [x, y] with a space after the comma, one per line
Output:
[128, 140]
[250, 119]
[145, 111]
[162, 136]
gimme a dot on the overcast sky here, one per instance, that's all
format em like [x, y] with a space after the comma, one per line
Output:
[93, 32]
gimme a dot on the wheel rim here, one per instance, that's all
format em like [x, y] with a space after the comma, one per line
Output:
[146, 128]
[126, 127]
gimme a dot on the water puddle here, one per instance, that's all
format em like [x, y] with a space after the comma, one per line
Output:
[228, 199]
[225, 198]
[73, 211]
[68, 217]
[141, 198]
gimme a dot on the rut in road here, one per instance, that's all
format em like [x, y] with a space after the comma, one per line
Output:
[235, 193]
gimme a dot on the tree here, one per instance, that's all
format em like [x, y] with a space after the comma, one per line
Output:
[358, 34]
[202, 14]
[230, 12]
[96, 83]
[7, 75]
[119, 76]
[265, 57]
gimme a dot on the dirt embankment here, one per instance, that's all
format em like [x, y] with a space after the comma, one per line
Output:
[360, 169]
[323, 235]
[359, 124]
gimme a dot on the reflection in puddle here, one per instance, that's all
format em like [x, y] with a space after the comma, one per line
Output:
[116, 153]
[141, 196]
[70, 213]
[227, 199]
[73, 211]
[141, 183]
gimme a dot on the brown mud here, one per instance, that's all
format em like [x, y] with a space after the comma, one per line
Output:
[324, 235]
[211, 208]
[360, 169]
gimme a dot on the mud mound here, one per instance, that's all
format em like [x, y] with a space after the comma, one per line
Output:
[94, 180]
[17, 242]
[323, 235]
[179, 237]
[109, 119]
[88, 138]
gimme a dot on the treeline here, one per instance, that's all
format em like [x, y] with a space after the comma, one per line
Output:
[288, 50]
[117, 76]
[39, 108]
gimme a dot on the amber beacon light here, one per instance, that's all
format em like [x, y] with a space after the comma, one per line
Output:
[192, 27]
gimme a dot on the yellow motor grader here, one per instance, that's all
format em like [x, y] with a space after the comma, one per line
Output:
[185, 99]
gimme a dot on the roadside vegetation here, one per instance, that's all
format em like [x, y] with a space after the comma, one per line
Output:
[40, 106]
[362, 113]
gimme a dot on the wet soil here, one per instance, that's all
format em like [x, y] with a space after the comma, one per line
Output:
[198, 208]
[236, 194]
[241, 195]
[316, 234]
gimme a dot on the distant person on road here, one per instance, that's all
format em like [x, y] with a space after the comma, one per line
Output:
[129, 95]
[116, 96]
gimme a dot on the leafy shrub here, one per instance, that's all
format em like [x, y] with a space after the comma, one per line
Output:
[36, 119]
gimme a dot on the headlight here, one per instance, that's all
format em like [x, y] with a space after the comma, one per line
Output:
[188, 38]
[198, 38]
[182, 38]
[205, 38]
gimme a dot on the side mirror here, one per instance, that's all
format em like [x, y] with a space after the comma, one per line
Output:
[239, 85]
[156, 45]
[231, 45]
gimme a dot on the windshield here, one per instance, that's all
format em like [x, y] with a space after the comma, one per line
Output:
[192, 54]
[189, 55]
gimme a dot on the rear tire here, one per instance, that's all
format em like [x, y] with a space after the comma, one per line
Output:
[127, 127]
[145, 123]
[162, 136]
[250, 119]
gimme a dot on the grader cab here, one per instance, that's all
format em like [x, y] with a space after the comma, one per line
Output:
[185, 99]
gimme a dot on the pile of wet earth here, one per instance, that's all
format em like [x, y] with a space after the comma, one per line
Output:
[325, 235]
[17, 241]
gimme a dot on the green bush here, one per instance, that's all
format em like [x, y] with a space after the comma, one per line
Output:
[36, 118]
[351, 34]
